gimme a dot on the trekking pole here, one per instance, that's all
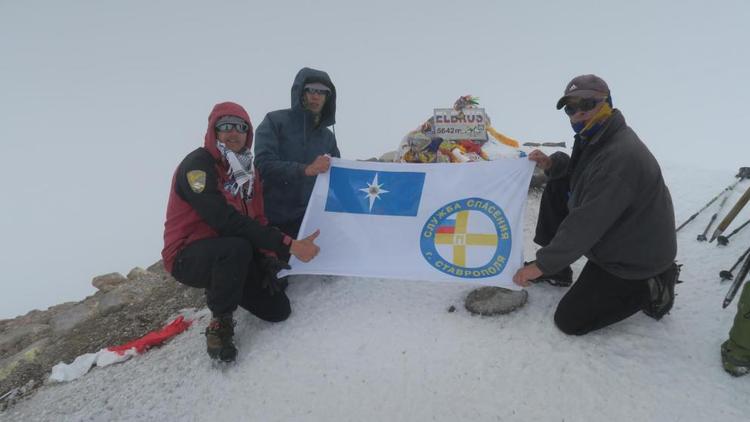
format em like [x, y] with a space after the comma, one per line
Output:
[692, 217]
[724, 240]
[545, 144]
[727, 274]
[733, 213]
[737, 282]
[702, 236]
[554, 144]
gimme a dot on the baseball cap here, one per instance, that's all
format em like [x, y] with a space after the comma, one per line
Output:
[584, 86]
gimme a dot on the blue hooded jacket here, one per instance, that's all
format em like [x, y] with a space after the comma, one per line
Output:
[286, 142]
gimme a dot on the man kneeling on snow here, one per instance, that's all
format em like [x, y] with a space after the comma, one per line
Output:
[216, 235]
[608, 201]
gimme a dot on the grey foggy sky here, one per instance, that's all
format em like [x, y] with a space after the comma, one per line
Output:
[101, 100]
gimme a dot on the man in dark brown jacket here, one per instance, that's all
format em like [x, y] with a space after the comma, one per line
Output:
[608, 202]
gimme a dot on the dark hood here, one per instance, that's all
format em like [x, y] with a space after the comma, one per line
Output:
[305, 76]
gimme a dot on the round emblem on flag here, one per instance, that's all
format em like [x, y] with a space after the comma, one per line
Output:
[467, 238]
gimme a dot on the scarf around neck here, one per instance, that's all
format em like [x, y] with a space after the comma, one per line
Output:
[240, 171]
[594, 124]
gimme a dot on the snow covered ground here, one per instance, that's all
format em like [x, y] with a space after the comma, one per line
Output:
[376, 350]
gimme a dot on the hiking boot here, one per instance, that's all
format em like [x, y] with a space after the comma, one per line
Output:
[562, 278]
[661, 292]
[735, 352]
[735, 359]
[219, 334]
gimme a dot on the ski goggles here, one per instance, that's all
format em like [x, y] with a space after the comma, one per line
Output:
[227, 127]
[317, 91]
[584, 104]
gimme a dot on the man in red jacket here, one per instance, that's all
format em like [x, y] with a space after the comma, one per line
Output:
[216, 235]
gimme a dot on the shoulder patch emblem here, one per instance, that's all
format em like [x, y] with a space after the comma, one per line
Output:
[197, 180]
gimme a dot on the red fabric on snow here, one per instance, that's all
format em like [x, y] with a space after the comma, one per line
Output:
[154, 338]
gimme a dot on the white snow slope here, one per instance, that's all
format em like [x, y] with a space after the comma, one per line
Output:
[382, 350]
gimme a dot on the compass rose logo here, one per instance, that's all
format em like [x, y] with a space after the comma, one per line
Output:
[373, 190]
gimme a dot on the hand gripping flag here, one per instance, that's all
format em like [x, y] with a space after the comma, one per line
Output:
[441, 222]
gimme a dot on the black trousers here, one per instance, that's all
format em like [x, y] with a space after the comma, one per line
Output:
[553, 208]
[224, 267]
[597, 298]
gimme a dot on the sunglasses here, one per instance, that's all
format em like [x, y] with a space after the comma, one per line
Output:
[227, 127]
[316, 91]
[584, 104]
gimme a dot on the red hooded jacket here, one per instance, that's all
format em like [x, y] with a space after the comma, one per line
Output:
[202, 210]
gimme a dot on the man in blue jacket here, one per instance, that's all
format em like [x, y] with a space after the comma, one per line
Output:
[293, 146]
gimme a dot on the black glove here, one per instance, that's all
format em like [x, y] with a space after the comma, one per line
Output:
[270, 266]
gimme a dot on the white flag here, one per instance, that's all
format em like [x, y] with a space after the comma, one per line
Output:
[437, 222]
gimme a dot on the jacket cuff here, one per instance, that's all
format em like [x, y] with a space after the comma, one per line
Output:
[558, 167]
[287, 242]
[542, 267]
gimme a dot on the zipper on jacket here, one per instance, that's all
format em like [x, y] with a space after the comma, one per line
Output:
[244, 207]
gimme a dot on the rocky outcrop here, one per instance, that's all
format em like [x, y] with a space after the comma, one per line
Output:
[123, 309]
[109, 281]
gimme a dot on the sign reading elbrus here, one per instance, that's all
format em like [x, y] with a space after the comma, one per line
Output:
[470, 123]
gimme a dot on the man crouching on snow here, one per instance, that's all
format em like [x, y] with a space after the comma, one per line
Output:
[607, 201]
[216, 235]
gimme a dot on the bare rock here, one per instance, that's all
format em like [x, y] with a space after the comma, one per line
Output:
[20, 334]
[17, 393]
[493, 300]
[145, 279]
[108, 282]
[10, 364]
[158, 268]
[30, 345]
[114, 300]
[137, 273]
[71, 317]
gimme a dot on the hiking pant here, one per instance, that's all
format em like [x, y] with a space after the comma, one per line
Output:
[224, 267]
[553, 208]
[597, 298]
